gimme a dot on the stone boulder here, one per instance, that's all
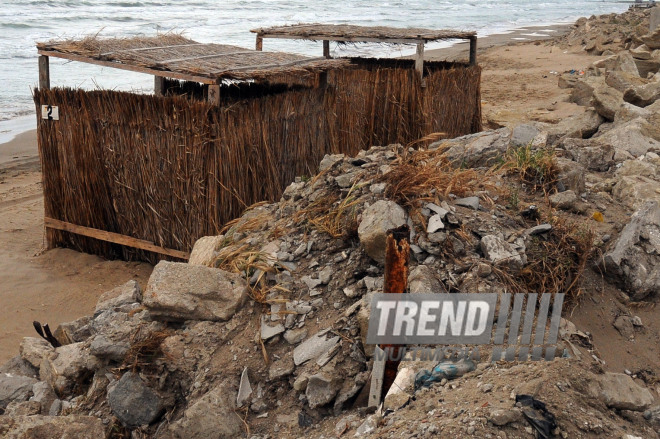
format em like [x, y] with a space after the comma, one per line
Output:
[126, 294]
[619, 391]
[133, 402]
[63, 368]
[321, 390]
[625, 62]
[49, 427]
[474, 150]
[211, 416]
[178, 291]
[205, 250]
[580, 126]
[622, 81]
[500, 252]
[571, 175]
[635, 258]
[641, 52]
[590, 153]
[634, 190]
[377, 219]
[15, 388]
[632, 137]
[606, 101]
[583, 91]
[423, 279]
[652, 40]
[34, 350]
[643, 95]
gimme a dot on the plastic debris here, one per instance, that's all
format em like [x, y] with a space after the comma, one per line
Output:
[598, 217]
[537, 415]
[444, 369]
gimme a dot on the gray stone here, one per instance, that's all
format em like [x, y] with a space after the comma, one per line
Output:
[310, 282]
[590, 153]
[73, 332]
[377, 219]
[500, 252]
[66, 365]
[314, 347]
[205, 250]
[178, 291]
[268, 332]
[244, 389]
[619, 391]
[44, 394]
[55, 408]
[435, 224]
[625, 62]
[423, 279]
[211, 416]
[563, 200]
[122, 295]
[571, 174]
[523, 135]
[15, 388]
[133, 402]
[329, 160]
[300, 383]
[583, 91]
[102, 347]
[281, 368]
[634, 191]
[473, 150]
[641, 52]
[635, 259]
[345, 180]
[643, 95]
[606, 101]
[441, 212]
[295, 336]
[501, 417]
[622, 81]
[34, 350]
[632, 137]
[320, 390]
[24, 408]
[580, 126]
[624, 325]
[18, 366]
[469, 202]
[49, 427]
[537, 230]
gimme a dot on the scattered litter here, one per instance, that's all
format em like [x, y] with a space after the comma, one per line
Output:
[445, 369]
[537, 415]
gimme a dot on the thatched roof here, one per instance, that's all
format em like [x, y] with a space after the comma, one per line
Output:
[177, 57]
[346, 32]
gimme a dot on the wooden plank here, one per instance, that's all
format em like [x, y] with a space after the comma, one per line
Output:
[121, 66]
[213, 95]
[44, 73]
[419, 60]
[215, 55]
[115, 238]
[268, 66]
[353, 39]
[377, 376]
[259, 45]
[473, 51]
[326, 48]
[140, 49]
[159, 86]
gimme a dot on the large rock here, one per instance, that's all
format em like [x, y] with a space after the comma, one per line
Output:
[321, 389]
[622, 81]
[632, 137]
[619, 391]
[590, 153]
[580, 126]
[583, 91]
[643, 95]
[635, 258]
[652, 40]
[15, 388]
[179, 291]
[34, 350]
[49, 427]
[211, 416]
[523, 135]
[314, 347]
[634, 190]
[500, 252]
[606, 100]
[133, 402]
[641, 52]
[377, 219]
[423, 279]
[571, 175]
[205, 250]
[18, 366]
[63, 368]
[126, 294]
[626, 63]
[473, 150]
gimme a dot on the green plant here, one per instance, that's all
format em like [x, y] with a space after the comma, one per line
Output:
[534, 167]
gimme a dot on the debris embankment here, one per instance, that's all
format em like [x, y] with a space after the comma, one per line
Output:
[262, 334]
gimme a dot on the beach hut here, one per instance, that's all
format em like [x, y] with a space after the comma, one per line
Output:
[143, 176]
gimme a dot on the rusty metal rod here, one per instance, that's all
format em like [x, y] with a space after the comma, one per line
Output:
[397, 259]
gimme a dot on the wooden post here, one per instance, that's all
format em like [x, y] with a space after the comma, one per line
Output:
[473, 50]
[213, 96]
[260, 43]
[44, 73]
[326, 48]
[159, 86]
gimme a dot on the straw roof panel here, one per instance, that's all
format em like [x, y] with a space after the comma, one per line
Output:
[316, 31]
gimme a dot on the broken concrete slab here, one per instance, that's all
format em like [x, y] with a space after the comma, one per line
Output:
[377, 219]
[314, 347]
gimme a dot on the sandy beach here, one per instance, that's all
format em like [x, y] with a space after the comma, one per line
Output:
[60, 285]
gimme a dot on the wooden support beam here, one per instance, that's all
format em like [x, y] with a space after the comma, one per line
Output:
[115, 238]
[419, 60]
[159, 86]
[260, 43]
[473, 50]
[213, 95]
[44, 73]
[326, 48]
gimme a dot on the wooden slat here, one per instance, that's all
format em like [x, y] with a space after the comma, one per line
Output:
[215, 55]
[269, 66]
[118, 65]
[159, 86]
[115, 238]
[351, 39]
[140, 49]
[326, 49]
[419, 60]
[259, 43]
[44, 73]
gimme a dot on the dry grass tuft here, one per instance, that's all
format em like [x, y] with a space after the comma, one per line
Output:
[427, 175]
[535, 168]
[144, 349]
[340, 221]
[556, 262]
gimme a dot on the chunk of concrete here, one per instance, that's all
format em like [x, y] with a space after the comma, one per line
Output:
[377, 219]
[133, 402]
[205, 250]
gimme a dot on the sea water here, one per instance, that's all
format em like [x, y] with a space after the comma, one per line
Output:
[24, 22]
